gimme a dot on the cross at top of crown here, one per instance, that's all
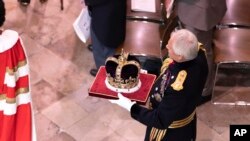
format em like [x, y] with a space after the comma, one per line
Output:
[122, 59]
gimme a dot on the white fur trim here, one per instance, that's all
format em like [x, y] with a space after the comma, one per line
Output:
[7, 39]
[10, 108]
[10, 80]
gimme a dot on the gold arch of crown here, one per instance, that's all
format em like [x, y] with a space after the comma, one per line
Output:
[118, 82]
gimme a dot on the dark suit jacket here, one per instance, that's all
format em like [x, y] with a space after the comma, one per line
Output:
[201, 14]
[108, 20]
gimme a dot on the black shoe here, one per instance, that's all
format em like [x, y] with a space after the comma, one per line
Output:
[90, 48]
[93, 72]
[24, 2]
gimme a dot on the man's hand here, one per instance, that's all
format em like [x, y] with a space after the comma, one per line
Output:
[123, 102]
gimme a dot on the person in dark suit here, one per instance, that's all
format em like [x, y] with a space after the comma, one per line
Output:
[108, 26]
[201, 17]
[175, 94]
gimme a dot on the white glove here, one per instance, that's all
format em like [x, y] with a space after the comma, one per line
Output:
[143, 71]
[123, 102]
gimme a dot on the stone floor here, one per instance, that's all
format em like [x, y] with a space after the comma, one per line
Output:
[59, 65]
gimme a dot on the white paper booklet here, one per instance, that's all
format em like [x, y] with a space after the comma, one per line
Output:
[143, 5]
[82, 25]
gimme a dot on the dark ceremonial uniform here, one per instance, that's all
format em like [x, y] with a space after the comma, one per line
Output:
[173, 100]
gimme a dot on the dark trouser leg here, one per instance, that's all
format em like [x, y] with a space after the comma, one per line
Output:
[100, 51]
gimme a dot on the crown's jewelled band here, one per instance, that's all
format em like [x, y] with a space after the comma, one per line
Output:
[122, 84]
[123, 90]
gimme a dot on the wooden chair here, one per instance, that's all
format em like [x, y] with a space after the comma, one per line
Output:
[231, 55]
[143, 41]
[232, 59]
[146, 16]
[144, 36]
[237, 14]
[147, 35]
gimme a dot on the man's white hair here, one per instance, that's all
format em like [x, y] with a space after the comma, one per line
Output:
[185, 43]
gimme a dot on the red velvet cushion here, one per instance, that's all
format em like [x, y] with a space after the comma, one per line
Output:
[99, 89]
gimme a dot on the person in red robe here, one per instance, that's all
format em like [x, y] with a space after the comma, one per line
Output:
[16, 118]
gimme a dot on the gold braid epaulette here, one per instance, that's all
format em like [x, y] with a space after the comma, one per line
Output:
[165, 64]
[201, 46]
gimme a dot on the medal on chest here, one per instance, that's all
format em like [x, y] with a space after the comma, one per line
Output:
[160, 89]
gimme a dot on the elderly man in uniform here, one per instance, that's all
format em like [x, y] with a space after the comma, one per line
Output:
[200, 17]
[174, 96]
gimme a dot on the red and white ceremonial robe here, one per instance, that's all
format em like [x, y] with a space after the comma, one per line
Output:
[16, 118]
